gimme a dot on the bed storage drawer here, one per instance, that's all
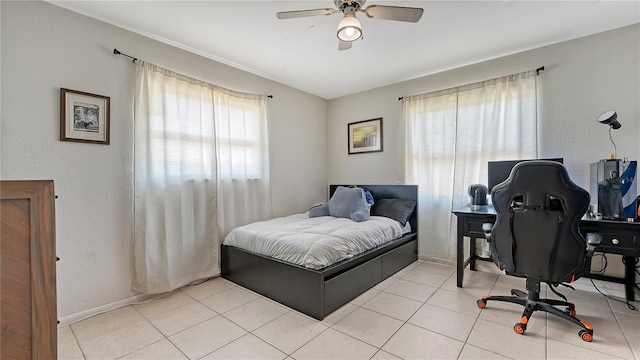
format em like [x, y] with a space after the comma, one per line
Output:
[348, 285]
[290, 285]
[398, 258]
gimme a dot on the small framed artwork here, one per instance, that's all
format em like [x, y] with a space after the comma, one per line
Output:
[365, 136]
[84, 117]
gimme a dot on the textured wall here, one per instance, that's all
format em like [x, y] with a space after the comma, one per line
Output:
[44, 48]
[582, 79]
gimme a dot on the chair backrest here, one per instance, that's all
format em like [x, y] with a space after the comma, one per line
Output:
[536, 232]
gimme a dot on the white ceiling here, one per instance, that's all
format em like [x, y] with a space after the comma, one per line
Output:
[303, 53]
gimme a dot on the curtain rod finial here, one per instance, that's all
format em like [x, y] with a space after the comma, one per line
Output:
[118, 52]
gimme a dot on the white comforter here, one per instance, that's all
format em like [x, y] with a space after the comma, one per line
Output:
[313, 242]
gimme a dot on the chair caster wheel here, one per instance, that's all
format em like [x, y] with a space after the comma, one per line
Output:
[586, 335]
[520, 328]
[482, 303]
[570, 311]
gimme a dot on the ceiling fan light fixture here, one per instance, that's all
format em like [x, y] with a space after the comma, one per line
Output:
[349, 28]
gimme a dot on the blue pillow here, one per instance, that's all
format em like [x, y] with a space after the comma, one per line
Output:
[368, 196]
[347, 203]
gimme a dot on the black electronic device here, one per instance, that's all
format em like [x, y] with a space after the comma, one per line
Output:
[478, 194]
[614, 189]
[499, 171]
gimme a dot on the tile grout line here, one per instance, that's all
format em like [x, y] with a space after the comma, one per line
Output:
[616, 315]
[77, 342]
[161, 333]
[626, 336]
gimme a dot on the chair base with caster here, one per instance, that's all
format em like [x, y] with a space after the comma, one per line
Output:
[532, 303]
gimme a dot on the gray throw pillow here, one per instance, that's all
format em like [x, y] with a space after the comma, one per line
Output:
[347, 203]
[319, 210]
[397, 209]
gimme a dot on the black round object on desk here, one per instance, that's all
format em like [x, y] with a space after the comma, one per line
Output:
[478, 193]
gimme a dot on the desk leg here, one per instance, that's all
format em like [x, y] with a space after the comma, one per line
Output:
[460, 252]
[472, 254]
[629, 277]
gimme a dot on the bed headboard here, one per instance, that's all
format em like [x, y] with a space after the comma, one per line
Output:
[409, 192]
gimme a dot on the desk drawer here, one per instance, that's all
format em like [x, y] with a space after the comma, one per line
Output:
[473, 227]
[620, 243]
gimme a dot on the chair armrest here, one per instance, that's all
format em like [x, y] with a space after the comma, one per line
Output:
[486, 228]
[593, 240]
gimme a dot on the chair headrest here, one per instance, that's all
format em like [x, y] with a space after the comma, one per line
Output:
[535, 182]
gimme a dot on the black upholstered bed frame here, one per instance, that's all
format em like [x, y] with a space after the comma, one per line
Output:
[320, 292]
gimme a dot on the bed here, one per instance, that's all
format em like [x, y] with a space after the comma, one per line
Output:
[318, 292]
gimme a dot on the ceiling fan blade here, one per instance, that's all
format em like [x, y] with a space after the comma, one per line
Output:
[344, 45]
[304, 13]
[398, 13]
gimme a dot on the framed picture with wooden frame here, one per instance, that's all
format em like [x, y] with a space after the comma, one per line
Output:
[84, 117]
[365, 136]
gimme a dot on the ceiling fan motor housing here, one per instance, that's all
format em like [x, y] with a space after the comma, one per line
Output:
[343, 4]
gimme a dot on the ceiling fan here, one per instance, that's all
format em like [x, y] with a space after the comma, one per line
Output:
[349, 28]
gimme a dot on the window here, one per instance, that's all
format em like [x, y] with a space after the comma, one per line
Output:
[196, 145]
[241, 136]
[450, 136]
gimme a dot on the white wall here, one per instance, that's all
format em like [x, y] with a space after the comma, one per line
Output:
[582, 79]
[44, 48]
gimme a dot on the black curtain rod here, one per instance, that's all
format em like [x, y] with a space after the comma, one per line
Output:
[541, 68]
[117, 52]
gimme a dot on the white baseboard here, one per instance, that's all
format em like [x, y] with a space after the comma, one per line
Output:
[436, 260]
[104, 308]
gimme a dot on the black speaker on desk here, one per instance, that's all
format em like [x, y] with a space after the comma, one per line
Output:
[478, 193]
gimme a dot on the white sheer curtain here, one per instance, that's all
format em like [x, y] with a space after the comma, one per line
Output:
[447, 139]
[178, 198]
[243, 159]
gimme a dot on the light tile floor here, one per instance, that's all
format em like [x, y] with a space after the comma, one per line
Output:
[418, 313]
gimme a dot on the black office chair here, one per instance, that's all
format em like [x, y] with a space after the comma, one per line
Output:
[536, 236]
